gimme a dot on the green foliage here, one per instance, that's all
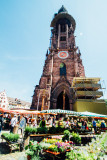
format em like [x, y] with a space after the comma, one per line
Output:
[76, 155]
[44, 145]
[94, 151]
[29, 152]
[33, 149]
[71, 155]
[42, 130]
[66, 135]
[61, 149]
[60, 129]
[52, 130]
[30, 130]
[10, 137]
[34, 130]
[76, 138]
[36, 158]
[4, 134]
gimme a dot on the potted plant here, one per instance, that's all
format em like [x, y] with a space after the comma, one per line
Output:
[10, 137]
[29, 154]
[53, 148]
[30, 130]
[52, 130]
[76, 138]
[33, 149]
[62, 147]
[60, 129]
[42, 130]
[66, 136]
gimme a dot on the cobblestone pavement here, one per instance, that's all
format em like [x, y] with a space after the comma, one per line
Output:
[5, 152]
[13, 156]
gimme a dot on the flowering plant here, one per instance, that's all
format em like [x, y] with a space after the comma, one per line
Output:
[53, 148]
[44, 145]
[58, 147]
[33, 148]
[62, 147]
[51, 141]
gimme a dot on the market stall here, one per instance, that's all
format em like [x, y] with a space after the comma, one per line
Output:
[91, 114]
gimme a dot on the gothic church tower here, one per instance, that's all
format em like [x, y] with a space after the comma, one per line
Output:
[63, 63]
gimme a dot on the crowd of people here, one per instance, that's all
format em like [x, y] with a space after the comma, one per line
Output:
[13, 120]
[40, 121]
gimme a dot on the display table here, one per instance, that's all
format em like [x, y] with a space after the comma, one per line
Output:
[12, 145]
[54, 154]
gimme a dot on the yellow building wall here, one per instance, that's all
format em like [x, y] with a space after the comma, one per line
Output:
[95, 107]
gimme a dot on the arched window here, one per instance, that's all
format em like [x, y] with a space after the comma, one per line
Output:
[63, 28]
[62, 69]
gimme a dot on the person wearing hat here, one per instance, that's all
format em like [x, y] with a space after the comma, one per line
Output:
[1, 122]
[13, 122]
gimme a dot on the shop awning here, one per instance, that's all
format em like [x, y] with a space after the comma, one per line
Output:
[60, 111]
[91, 114]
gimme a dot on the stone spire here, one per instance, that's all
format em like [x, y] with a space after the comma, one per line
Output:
[62, 9]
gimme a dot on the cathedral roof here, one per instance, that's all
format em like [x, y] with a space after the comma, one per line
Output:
[62, 9]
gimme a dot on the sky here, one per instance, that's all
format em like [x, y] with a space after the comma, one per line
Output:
[25, 36]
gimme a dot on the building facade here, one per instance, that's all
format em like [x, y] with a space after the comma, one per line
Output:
[63, 84]
[12, 103]
[15, 103]
[3, 100]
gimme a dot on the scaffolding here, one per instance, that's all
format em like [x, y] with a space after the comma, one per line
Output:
[89, 89]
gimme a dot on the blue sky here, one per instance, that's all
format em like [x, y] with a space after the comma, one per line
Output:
[24, 39]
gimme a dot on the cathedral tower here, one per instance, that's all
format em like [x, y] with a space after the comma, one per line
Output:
[63, 63]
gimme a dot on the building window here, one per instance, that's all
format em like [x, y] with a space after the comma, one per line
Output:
[48, 80]
[63, 38]
[63, 28]
[62, 69]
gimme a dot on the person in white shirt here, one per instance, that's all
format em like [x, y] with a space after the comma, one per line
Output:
[13, 122]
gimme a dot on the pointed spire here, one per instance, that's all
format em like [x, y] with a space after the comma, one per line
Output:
[62, 9]
[47, 53]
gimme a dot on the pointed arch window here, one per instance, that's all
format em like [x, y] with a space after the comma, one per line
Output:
[62, 69]
[63, 28]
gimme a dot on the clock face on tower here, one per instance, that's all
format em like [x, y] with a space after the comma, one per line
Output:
[63, 54]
